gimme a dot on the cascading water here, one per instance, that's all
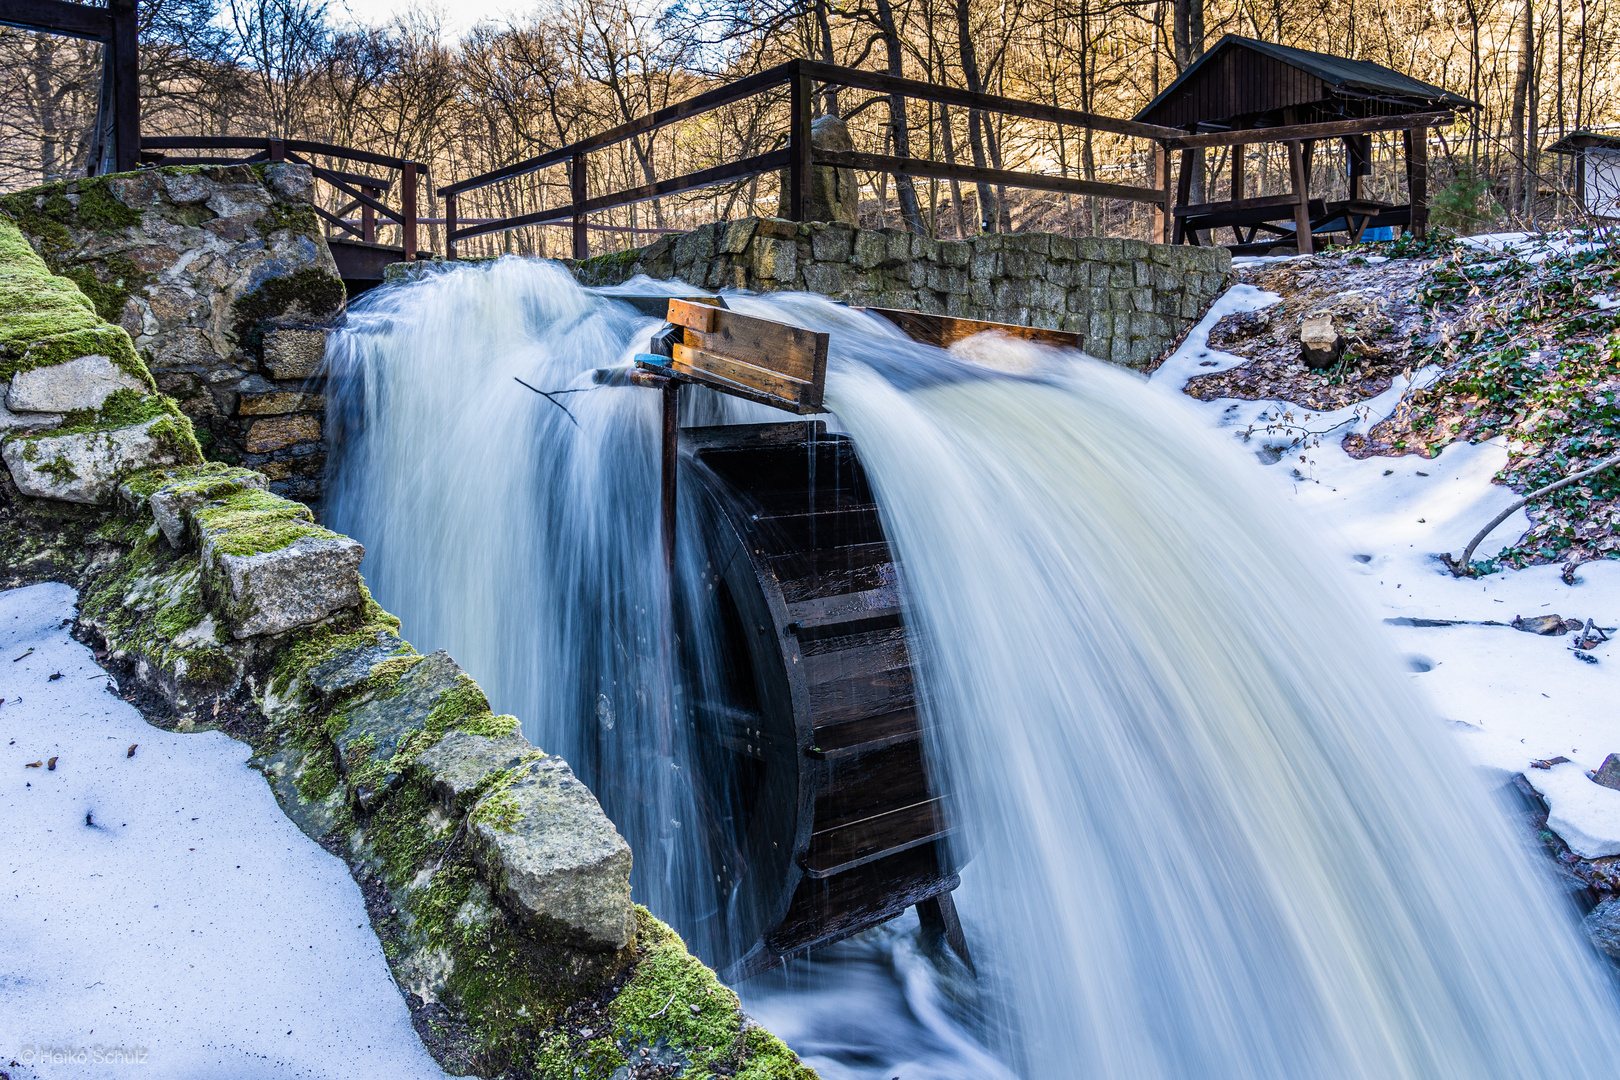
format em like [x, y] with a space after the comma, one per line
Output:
[1211, 832]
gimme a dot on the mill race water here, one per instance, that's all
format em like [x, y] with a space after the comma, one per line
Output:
[1208, 830]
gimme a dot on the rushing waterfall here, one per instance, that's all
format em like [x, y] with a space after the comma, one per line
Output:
[1210, 831]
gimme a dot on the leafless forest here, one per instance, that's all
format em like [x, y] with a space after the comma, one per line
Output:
[506, 92]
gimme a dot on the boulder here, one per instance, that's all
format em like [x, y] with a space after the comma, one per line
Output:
[294, 354]
[84, 383]
[86, 467]
[376, 728]
[554, 858]
[1321, 345]
[1602, 925]
[461, 762]
[834, 195]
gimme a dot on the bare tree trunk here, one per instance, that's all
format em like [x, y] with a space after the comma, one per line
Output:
[970, 71]
[1518, 200]
[903, 187]
[950, 159]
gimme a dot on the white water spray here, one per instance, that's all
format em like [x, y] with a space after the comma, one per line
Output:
[1212, 833]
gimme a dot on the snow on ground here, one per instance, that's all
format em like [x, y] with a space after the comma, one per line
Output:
[1513, 697]
[159, 914]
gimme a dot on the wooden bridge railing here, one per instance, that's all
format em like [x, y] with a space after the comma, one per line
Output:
[799, 157]
[364, 190]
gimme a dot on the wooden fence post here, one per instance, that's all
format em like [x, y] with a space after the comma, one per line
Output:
[1302, 197]
[407, 194]
[1417, 179]
[576, 184]
[1189, 161]
[277, 150]
[368, 217]
[126, 94]
[450, 227]
[799, 152]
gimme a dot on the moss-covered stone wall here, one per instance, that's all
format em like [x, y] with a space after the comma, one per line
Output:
[203, 268]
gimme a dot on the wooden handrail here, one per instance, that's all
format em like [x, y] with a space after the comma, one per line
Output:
[364, 190]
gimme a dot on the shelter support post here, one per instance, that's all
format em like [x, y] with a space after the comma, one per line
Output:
[1238, 155]
[1417, 178]
[1300, 177]
[1183, 195]
[126, 95]
[450, 227]
[938, 917]
[576, 184]
[1358, 151]
[1163, 218]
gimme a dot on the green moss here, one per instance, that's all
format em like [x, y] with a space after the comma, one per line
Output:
[109, 341]
[306, 648]
[310, 292]
[125, 408]
[300, 218]
[672, 996]
[60, 469]
[251, 522]
[109, 289]
[770, 1059]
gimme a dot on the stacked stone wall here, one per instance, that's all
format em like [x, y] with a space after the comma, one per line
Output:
[1130, 300]
[223, 280]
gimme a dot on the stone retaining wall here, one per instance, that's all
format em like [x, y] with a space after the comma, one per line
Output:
[222, 278]
[1132, 300]
[500, 890]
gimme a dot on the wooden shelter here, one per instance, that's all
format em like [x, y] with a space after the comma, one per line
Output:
[1245, 91]
[1597, 170]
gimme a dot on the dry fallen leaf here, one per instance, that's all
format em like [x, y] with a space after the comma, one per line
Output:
[54, 677]
[50, 766]
[34, 765]
[132, 750]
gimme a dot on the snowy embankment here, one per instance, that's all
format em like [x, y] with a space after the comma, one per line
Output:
[1515, 698]
[161, 915]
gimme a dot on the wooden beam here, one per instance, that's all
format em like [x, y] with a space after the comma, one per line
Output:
[849, 159]
[692, 316]
[58, 17]
[1417, 180]
[407, 195]
[1183, 196]
[1302, 196]
[950, 95]
[1329, 130]
[946, 330]
[577, 193]
[1258, 203]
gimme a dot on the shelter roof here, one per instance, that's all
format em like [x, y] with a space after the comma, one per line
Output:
[1245, 79]
[1576, 141]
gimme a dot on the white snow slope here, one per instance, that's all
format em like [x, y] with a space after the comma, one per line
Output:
[1513, 697]
[159, 914]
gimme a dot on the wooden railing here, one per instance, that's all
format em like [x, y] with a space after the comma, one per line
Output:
[799, 157]
[365, 191]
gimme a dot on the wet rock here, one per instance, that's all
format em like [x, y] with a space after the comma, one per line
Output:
[83, 383]
[376, 728]
[1602, 925]
[1321, 345]
[294, 354]
[554, 858]
[1541, 624]
[458, 764]
[349, 669]
[1608, 774]
[86, 468]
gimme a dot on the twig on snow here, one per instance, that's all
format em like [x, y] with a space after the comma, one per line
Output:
[1459, 567]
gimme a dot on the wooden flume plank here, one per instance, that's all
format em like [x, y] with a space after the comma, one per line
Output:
[945, 330]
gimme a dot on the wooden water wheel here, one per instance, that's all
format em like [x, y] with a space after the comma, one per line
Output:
[813, 743]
